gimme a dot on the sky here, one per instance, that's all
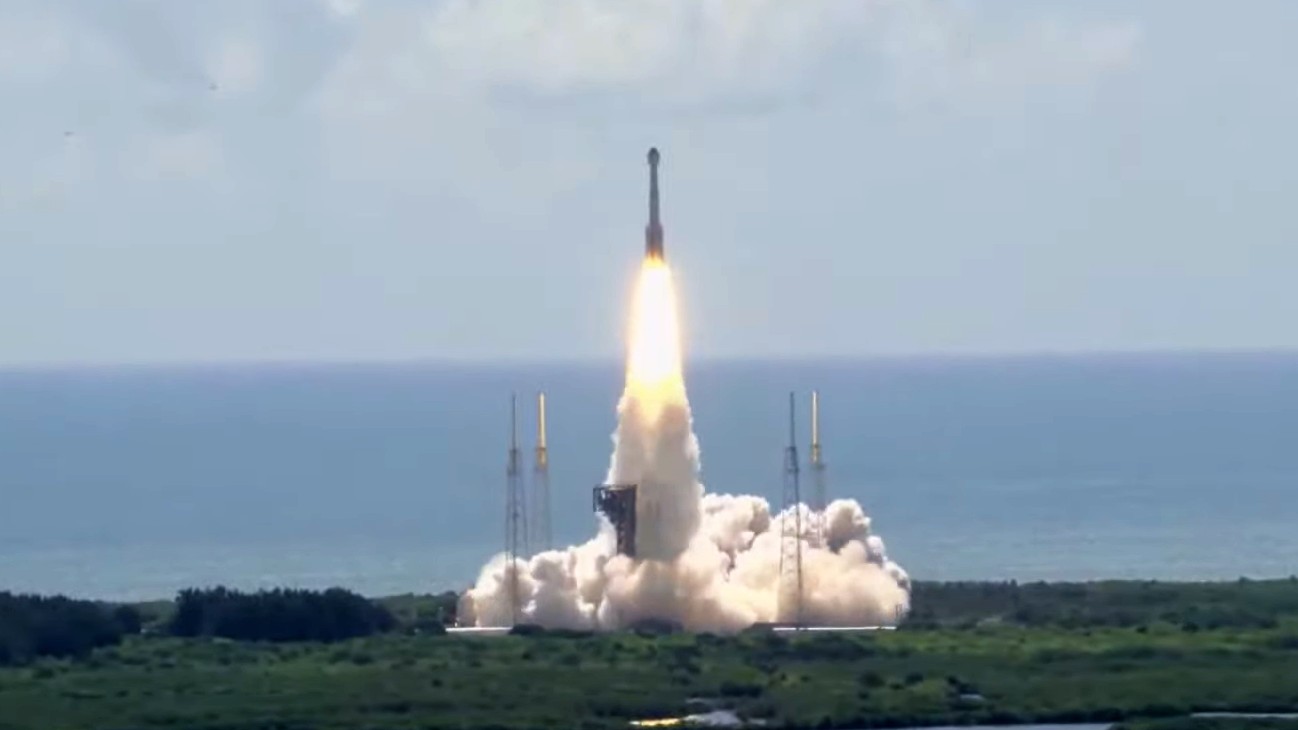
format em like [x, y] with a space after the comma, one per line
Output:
[361, 180]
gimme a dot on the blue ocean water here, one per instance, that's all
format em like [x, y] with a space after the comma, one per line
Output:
[135, 482]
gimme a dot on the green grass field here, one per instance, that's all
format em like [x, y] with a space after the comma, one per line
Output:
[902, 678]
[962, 666]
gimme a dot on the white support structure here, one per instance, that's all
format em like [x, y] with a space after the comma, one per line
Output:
[541, 483]
[819, 491]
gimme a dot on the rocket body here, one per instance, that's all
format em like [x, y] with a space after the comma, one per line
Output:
[653, 233]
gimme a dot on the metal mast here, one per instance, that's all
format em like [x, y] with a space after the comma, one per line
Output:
[515, 519]
[819, 495]
[790, 598]
[541, 482]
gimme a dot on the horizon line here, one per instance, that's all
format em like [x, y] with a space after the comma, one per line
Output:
[600, 360]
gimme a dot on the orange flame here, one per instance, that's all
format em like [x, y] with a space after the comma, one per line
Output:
[653, 369]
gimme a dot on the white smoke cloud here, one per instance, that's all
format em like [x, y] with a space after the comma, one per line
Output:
[710, 562]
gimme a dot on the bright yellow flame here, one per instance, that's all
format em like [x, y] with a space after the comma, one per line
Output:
[653, 368]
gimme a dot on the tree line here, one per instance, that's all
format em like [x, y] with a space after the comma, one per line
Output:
[1243, 604]
[282, 614]
[55, 626]
[36, 626]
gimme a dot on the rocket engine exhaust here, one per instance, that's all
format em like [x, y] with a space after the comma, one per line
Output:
[708, 562]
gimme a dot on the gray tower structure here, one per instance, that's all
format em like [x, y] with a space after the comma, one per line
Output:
[790, 597]
[515, 515]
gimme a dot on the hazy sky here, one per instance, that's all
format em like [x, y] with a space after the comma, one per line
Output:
[299, 179]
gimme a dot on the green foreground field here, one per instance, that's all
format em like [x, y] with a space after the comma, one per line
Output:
[987, 663]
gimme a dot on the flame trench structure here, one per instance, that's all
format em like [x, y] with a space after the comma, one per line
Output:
[703, 561]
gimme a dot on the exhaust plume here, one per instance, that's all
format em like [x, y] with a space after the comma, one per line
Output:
[710, 562]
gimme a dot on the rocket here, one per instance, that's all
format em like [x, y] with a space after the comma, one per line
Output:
[653, 233]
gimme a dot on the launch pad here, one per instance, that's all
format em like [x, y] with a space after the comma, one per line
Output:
[617, 503]
[663, 460]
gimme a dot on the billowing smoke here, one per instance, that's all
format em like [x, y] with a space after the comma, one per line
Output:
[710, 562]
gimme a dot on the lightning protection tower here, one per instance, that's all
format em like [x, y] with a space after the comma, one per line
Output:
[790, 598]
[819, 494]
[541, 482]
[515, 517]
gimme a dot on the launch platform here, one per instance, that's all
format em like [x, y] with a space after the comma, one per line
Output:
[617, 503]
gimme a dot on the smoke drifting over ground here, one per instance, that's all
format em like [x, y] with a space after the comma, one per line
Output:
[710, 562]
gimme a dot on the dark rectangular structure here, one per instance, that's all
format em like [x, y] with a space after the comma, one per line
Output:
[617, 503]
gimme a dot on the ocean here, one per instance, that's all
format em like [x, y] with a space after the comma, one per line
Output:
[134, 482]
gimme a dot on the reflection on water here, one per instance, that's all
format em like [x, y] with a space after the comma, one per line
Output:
[1252, 715]
[1064, 726]
[727, 718]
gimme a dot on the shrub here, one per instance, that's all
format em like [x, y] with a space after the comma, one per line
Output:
[36, 626]
[740, 689]
[278, 615]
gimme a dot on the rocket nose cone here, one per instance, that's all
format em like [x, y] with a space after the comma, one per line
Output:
[653, 155]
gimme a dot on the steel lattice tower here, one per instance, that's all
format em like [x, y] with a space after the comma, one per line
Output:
[819, 493]
[515, 518]
[790, 599]
[541, 482]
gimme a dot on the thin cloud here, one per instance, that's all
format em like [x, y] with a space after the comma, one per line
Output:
[235, 65]
[175, 156]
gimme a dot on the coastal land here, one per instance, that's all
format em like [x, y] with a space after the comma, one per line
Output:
[1149, 654]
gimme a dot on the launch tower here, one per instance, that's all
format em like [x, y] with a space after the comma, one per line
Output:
[819, 495]
[617, 503]
[541, 483]
[790, 597]
[515, 516]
